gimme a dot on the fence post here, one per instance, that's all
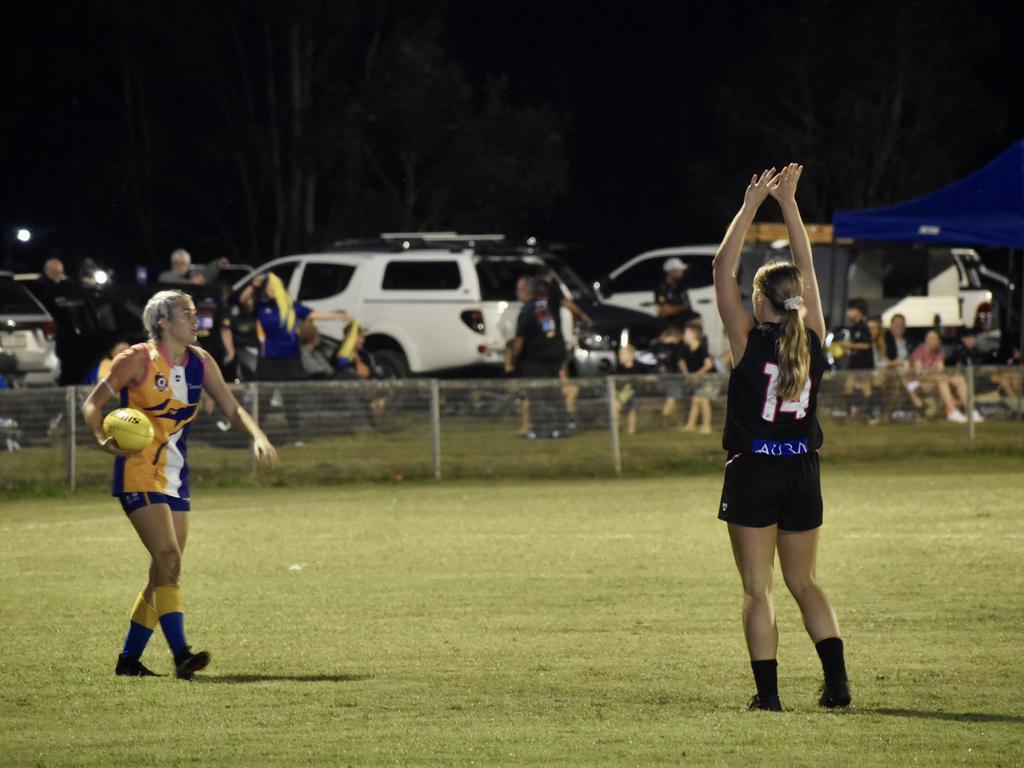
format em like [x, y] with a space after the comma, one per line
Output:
[970, 403]
[613, 423]
[254, 397]
[435, 425]
[72, 414]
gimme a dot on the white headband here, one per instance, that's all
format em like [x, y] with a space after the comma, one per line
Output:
[793, 304]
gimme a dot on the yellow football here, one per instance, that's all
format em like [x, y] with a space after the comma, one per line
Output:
[131, 429]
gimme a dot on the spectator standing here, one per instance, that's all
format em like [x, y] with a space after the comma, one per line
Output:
[698, 364]
[668, 355]
[277, 324]
[538, 352]
[856, 342]
[181, 272]
[671, 297]
[75, 337]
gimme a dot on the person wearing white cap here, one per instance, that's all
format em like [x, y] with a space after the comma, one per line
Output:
[670, 295]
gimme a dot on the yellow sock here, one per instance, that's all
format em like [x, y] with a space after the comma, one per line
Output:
[144, 613]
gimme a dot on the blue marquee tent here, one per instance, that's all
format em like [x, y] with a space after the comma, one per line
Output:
[984, 208]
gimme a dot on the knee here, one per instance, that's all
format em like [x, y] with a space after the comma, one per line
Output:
[167, 563]
[756, 592]
[799, 586]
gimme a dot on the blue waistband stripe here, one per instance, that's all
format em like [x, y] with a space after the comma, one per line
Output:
[783, 448]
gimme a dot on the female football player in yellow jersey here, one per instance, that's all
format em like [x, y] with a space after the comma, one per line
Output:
[163, 378]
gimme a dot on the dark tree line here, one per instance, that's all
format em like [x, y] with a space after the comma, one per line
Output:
[279, 126]
[884, 100]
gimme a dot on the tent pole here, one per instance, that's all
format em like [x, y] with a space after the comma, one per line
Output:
[1020, 290]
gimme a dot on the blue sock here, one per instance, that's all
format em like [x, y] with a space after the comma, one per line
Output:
[140, 629]
[173, 625]
[136, 639]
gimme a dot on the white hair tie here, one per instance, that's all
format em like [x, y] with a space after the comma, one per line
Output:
[793, 304]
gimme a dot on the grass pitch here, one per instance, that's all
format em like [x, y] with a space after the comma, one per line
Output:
[584, 622]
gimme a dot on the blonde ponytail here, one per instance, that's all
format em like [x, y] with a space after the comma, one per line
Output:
[794, 356]
[781, 282]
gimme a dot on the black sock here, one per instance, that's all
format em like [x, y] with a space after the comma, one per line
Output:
[830, 651]
[766, 677]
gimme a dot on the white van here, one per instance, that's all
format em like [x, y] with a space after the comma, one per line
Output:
[425, 310]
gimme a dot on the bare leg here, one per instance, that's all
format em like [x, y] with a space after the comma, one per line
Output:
[668, 411]
[960, 385]
[705, 411]
[798, 554]
[632, 419]
[156, 528]
[524, 419]
[942, 385]
[754, 552]
[691, 420]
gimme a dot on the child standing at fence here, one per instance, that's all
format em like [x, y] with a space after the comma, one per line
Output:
[698, 365]
[771, 497]
[163, 378]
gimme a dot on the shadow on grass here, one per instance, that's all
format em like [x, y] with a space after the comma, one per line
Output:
[281, 678]
[960, 717]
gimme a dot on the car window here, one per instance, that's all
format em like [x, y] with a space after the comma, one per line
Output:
[643, 276]
[16, 300]
[498, 278]
[285, 270]
[421, 276]
[322, 280]
[648, 274]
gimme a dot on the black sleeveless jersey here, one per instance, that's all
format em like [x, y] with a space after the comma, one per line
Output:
[757, 420]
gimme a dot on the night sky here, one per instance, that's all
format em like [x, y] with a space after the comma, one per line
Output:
[663, 111]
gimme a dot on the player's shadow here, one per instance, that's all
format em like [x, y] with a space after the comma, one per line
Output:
[236, 679]
[960, 717]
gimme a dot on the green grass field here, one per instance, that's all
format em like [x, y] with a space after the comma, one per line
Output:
[582, 622]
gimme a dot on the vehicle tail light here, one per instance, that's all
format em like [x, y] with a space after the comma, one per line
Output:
[474, 320]
[49, 329]
[983, 317]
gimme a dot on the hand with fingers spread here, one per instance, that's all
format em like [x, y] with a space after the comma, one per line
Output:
[759, 188]
[783, 186]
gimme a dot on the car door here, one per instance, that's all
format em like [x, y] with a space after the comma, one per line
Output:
[632, 285]
[329, 286]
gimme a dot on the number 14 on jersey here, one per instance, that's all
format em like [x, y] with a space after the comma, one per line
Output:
[773, 403]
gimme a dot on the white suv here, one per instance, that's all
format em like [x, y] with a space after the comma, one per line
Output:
[28, 354]
[424, 309]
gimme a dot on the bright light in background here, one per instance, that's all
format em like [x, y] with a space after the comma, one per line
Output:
[23, 235]
[100, 277]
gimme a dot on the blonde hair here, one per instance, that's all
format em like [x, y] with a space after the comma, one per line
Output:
[778, 281]
[285, 305]
[160, 307]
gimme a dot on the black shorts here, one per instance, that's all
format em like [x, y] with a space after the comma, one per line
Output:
[766, 490]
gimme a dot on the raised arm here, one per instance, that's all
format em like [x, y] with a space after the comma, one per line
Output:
[784, 191]
[727, 290]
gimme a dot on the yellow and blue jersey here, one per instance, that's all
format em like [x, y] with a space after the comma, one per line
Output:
[169, 395]
[279, 337]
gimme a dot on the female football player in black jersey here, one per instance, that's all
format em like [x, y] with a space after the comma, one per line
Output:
[771, 497]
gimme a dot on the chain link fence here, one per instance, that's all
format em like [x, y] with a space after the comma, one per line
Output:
[422, 428]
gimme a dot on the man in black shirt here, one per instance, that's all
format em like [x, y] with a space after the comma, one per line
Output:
[856, 342]
[671, 297]
[537, 352]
